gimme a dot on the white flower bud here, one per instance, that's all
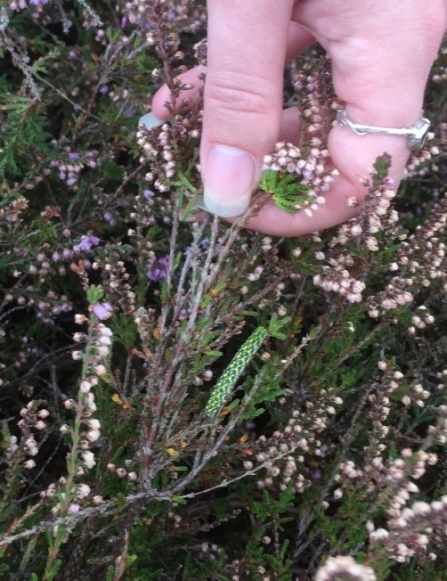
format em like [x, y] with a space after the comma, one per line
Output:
[93, 435]
[83, 490]
[94, 424]
[89, 459]
[100, 370]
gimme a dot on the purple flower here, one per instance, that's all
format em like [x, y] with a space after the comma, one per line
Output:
[203, 246]
[158, 270]
[316, 475]
[86, 244]
[129, 111]
[102, 310]
[108, 217]
[148, 194]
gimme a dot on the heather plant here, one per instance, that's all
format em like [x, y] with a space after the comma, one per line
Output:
[182, 398]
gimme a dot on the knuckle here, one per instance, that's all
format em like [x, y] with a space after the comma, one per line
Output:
[238, 94]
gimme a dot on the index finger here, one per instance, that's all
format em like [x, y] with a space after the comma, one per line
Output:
[243, 97]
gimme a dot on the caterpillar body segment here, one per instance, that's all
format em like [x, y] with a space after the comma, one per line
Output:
[229, 377]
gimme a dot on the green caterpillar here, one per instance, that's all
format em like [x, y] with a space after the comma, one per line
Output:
[229, 377]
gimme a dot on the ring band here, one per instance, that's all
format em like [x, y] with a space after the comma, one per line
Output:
[416, 134]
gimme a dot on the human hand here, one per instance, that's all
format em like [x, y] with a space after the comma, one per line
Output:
[381, 55]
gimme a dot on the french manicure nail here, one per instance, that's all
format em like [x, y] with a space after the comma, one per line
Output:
[150, 121]
[229, 178]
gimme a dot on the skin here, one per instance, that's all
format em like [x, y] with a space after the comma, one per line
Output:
[381, 55]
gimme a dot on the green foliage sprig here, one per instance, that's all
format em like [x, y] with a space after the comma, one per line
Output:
[285, 190]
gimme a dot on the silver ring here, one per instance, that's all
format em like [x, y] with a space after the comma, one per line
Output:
[416, 134]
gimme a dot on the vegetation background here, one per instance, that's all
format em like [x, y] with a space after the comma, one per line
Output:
[322, 453]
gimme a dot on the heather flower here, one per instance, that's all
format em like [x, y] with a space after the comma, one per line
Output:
[83, 489]
[101, 370]
[109, 218]
[94, 424]
[89, 460]
[158, 270]
[86, 244]
[344, 569]
[93, 435]
[85, 386]
[202, 245]
[102, 310]
[73, 509]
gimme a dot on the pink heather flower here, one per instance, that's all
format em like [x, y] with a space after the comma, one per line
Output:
[85, 386]
[83, 490]
[338, 568]
[101, 370]
[102, 310]
[89, 461]
[103, 351]
[93, 435]
[73, 509]
[86, 244]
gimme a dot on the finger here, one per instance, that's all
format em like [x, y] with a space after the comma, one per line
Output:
[273, 221]
[289, 129]
[289, 132]
[378, 90]
[298, 40]
[242, 97]
[377, 71]
[378, 50]
[187, 98]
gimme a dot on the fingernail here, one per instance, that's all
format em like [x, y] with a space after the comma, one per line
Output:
[229, 179]
[149, 121]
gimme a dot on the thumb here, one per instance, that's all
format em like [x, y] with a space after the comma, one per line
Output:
[242, 97]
